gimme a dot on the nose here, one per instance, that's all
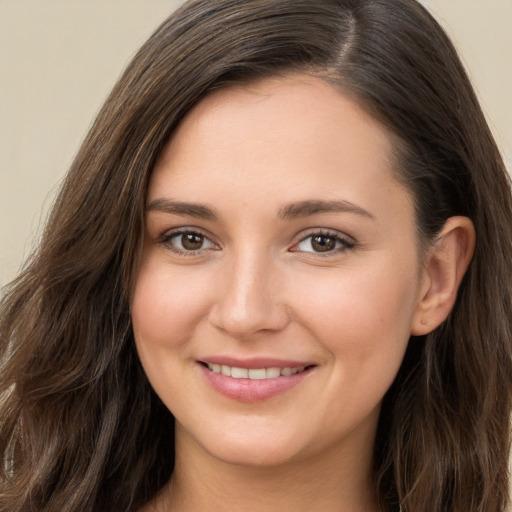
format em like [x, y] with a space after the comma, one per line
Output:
[249, 299]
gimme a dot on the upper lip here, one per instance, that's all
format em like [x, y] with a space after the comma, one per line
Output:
[255, 362]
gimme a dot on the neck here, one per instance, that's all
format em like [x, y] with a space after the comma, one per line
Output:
[338, 480]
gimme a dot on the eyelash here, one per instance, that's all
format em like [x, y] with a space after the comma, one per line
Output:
[344, 242]
[167, 238]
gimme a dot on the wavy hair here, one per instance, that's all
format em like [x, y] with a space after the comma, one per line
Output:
[81, 429]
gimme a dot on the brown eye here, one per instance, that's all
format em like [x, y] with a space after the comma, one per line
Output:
[192, 241]
[188, 242]
[323, 243]
[326, 243]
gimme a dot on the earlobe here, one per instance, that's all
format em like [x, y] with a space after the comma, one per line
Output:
[446, 263]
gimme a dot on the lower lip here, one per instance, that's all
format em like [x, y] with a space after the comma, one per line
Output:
[252, 390]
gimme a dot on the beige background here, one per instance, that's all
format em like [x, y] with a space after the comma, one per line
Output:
[59, 58]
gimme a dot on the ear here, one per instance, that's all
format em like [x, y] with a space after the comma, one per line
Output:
[446, 263]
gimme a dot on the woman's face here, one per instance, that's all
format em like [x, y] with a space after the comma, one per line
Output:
[281, 252]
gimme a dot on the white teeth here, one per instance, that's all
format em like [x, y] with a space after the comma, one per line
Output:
[257, 373]
[240, 373]
[254, 373]
[272, 373]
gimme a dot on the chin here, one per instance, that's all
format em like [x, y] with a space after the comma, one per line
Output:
[259, 449]
[255, 455]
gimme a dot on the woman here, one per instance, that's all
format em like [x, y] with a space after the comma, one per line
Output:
[277, 276]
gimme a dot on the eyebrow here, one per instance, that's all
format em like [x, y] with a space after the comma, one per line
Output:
[290, 211]
[200, 211]
[305, 208]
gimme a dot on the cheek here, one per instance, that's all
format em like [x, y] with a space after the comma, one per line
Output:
[363, 316]
[363, 322]
[166, 306]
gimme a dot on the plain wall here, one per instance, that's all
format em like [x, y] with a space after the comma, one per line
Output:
[59, 59]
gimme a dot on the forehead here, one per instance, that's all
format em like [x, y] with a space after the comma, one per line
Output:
[299, 106]
[297, 135]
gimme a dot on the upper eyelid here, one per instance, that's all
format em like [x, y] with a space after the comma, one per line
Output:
[299, 237]
[324, 231]
[347, 241]
[168, 234]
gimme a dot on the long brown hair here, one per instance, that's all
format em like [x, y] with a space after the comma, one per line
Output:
[80, 427]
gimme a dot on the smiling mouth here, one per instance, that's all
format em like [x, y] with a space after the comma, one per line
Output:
[254, 380]
[254, 373]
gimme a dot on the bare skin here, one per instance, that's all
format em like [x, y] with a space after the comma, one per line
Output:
[301, 487]
[277, 230]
